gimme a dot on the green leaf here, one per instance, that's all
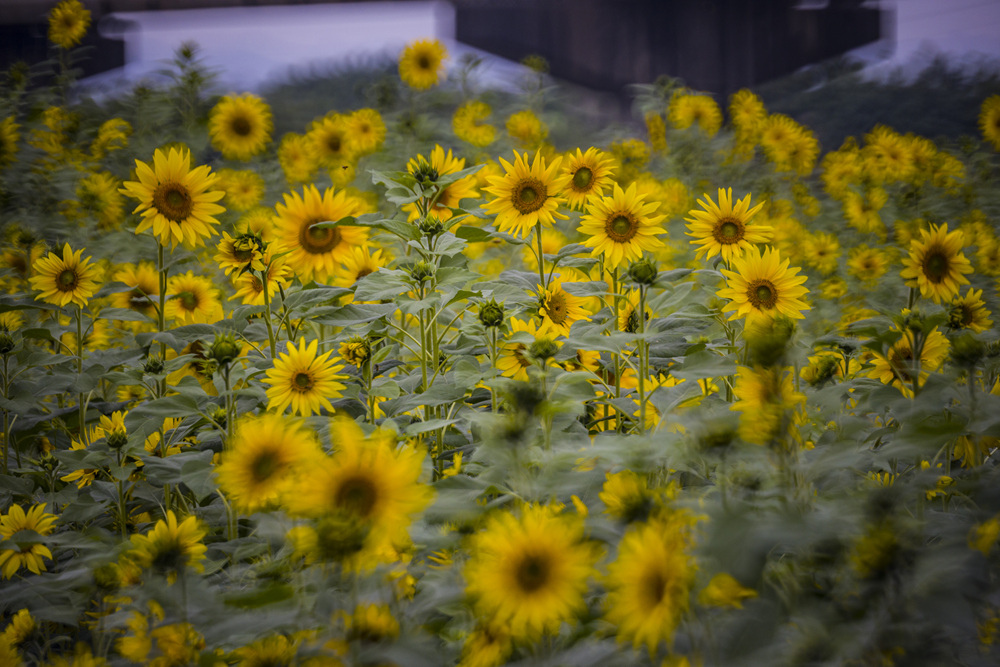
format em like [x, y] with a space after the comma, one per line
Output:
[704, 364]
[357, 313]
[473, 234]
[272, 593]
[590, 288]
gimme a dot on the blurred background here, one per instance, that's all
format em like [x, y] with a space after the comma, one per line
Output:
[792, 52]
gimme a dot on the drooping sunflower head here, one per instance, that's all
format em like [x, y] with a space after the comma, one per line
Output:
[175, 201]
[559, 309]
[590, 174]
[429, 171]
[68, 23]
[421, 64]
[29, 553]
[240, 126]
[66, 279]
[936, 264]
[526, 195]
[969, 312]
[761, 285]
[621, 227]
[304, 380]
[725, 229]
[989, 120]
[144, 286]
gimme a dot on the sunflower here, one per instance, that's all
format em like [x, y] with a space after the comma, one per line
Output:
[262, 457]
[650, 582]
[170, 547]
[143, 282]
[822, 252]
[627, 497]
[421, 64]
[29, 553]
[244, 188]
[628, 312]
[529, 573]
[175, 200]
[896, 366]
[761, 285]
[559, 309]
[514, 361]
[630, 156]
[367, 130]
[332, 142]
[97, 198]
[65, 280]
[68, 23]
[358, 263]
[725, 230]
[242, 253]
[250, 288]
[429, 171]
[270, 650]
[8, 141]
[467, 123]
[527, 129]
[316, 253]
[297, 157]
[686, 110]
[936, 263]
[862, 210]
[747, 113]
[303, 380]
[111, 136]
[526, 196]
[590, 173]
[621, 227]
[488, 645]
[657, 131]
[969, 312]
[886, 157]
[192, 299]
[240, 126]
[989, 120]
[764, 398]
[369, 479]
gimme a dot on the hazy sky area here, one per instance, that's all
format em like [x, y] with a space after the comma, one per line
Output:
[251, 45]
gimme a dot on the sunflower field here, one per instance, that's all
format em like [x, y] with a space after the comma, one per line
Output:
[456, 378]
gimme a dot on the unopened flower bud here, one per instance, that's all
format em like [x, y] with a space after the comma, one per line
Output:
[491, 314]
[642, 272]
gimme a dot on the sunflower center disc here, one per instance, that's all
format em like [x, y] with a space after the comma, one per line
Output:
[583, 178]
[66, 280]
[657, 586]
[532, 573]
[264, 467]
[556, 308]
[318, 240]
[936, 267]
[529, 196]
[302, 382]
[357, 495]
[621, 228]
[423, 62]
[729, 231]
[170, 557]
[173, 202]
[188, 300]
[241, 126]
[632, 323]
[333, 143]
[762, 294]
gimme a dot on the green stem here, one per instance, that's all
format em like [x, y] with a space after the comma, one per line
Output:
[617, 356]
[643, 359]
[492, 337]
[161, 323]
[81, 405]
[6, 414]
[267, 314]
[540, 254]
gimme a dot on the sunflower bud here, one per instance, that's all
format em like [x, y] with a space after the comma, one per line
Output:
[219, 416]
[355, 351]
[7, 344]
[422, 271]
[224, 349]
[431, 226]
[117, 439]
[491, 314]
[153, 365]
[536, 62]
[543, 349]
[642, 272]
[425, 174]
[106, 577]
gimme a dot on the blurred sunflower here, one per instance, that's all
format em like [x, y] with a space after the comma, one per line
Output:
[559, 309]
[427, 172]
[761, 286]
[192, 299]
[724, 229]
[936, 264]
[143, 282]
[590, 173]
[529, 572]
[68, 23]
[886, 157]
[358, 263]
[868, 264]
[650, 581]
[244, 188]
[862, 210]
[514, 361]
[29, 553]
[764, 398]
[747, 113]
[176, 201]
[989, 120]
[896, 366]
[421, 64]
[627, 497]
[526, 195]
[332, 143]
[8, 141]
[656, 129]
[822, 252]
[368, 479]
[621, 227]
[262, 457]
[467, 123]
[367, 130]
[303, 380]
[297, 156]
[270, 650]
[316, 253]
[686, 110]
[488, 645]
[169, 548]
[628, 312]
[527, 129]
[969, 312]
[240, 126]
[97, 198]
[65, 280]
